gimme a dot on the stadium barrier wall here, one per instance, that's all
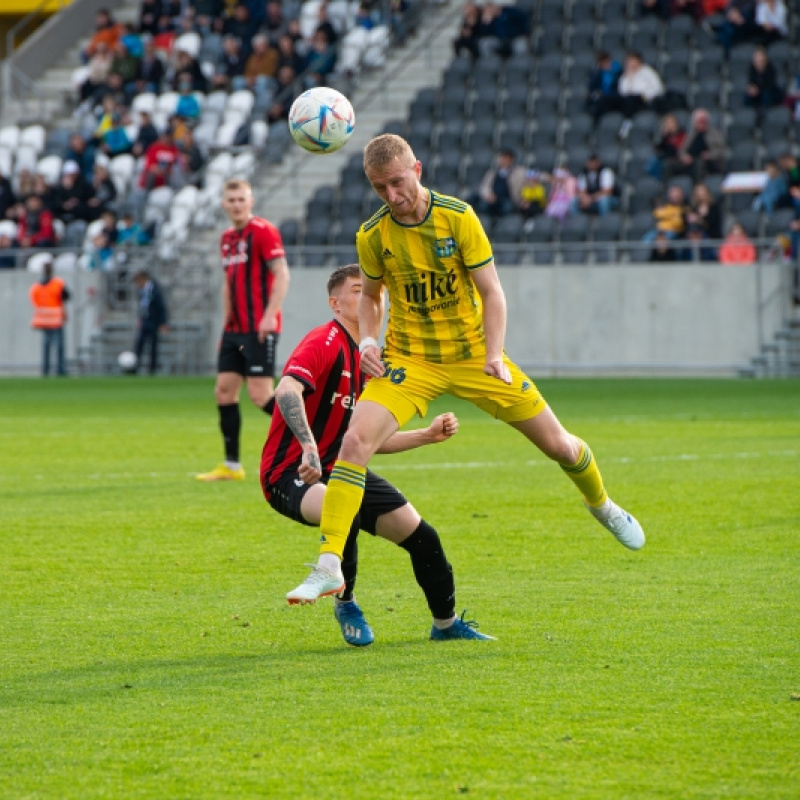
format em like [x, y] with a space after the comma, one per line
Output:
[676, 319]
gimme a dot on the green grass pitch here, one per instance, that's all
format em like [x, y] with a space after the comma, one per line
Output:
[146, 650]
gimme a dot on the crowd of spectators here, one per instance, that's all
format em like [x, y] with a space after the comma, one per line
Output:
[189, 48]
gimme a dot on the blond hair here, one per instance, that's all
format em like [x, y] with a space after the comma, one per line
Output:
[234, 184]
[385, 148]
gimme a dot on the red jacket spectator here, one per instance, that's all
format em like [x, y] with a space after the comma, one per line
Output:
[35, 226]
[159, 159]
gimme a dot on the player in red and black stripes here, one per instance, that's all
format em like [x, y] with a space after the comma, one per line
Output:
[255, 285]
[321, 382]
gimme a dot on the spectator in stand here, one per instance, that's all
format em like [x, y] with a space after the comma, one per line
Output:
[669, 215]
[763, 89]
[146, 136]
[101, 254]
[791, 169]
[661, 8]
[738, 25]
[212, 32]
[98, 68]
[104, 193]
[186, 62]
[165, 35]
[737, 247]
[130, 232]
[83, 154]
[775, 192]
[771, 23]
[230, 65]
[274, 24]
[240, 27]
[151, 70]
[325, 25]
[283, 97]
[709, 8]
[671, 137]
[149, 13]
[193, 158]
[563, 189]
[25, 184]
[188, 107]
[160, 160]
[321, 59]
[598, 192]
[639, 86]
[397, 20]
[289, 57]
[704, 220]
[260, 68]
[71, 194]
[8, 259]
[603, 88]
[703, 151]
[47, 193]
[663, 251]
[210, 8]
[35, 226]
[127, 66]
[500, 192]
[115, 90]
[7, 196]
[107, 32]
[115, 141]
[470, 32]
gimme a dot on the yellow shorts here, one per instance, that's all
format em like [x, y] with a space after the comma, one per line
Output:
[409, 385]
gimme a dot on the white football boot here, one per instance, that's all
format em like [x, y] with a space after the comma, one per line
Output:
[625, 528]
[319, 583]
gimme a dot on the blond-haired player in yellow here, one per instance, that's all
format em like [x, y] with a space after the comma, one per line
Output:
[446, 332]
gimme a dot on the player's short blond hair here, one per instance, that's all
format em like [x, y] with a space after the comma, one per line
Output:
[234, 184]
[385, 148]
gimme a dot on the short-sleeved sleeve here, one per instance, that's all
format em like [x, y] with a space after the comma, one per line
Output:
[270, 242]
[476, 249]
[369, 256]
[308, 360]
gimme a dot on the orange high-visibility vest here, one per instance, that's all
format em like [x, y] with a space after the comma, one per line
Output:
[48, 304]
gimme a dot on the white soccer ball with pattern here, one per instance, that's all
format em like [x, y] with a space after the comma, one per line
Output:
[321, 120]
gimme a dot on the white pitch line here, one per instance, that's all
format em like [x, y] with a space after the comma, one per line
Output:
[445, 465]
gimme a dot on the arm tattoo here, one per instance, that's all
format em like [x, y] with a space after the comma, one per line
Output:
[313, 462]
[294, 412]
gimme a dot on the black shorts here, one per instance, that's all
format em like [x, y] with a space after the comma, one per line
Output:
[244, 354]
[380, 497]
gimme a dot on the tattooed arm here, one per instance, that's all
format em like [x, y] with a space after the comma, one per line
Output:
[289, 397]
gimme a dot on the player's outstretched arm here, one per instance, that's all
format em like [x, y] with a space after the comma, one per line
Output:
[280, 288]
[440, 430]
[494, 320]
[289, 397]
[370, 319]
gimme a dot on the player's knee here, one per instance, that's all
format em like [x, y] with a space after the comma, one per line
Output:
[563, 448]
[357, 446]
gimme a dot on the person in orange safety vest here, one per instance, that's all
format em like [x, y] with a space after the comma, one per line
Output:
[48, 297]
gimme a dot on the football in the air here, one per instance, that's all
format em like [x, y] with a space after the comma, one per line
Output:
[321, 120]
[127, 361]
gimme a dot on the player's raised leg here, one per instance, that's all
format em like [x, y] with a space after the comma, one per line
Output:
[578, 463]
[370, 426]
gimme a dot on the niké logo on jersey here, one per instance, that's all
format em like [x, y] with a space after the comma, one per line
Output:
[433, 286]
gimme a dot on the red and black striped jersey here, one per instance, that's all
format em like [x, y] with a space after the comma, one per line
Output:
[327, 362]
[246, 254]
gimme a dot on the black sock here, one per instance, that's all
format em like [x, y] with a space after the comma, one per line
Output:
[432, 571]
[350, 562]
[269, 407]
[230, 423]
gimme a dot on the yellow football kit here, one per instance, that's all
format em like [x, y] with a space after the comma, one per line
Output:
[435, 341]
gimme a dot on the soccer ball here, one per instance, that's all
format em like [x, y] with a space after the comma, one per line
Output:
[127, 361]
[321, 120]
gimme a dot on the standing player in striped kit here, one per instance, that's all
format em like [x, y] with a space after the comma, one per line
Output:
[256, 283]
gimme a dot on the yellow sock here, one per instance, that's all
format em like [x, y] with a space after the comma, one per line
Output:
[340, 505]
[586, 476]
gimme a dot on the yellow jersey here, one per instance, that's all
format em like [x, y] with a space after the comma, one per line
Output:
[435, 310]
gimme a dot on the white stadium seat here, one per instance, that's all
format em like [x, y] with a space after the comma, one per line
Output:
[49, 168]
[226, 134]
[9, 136]
[65, 262]
[242, 100]
[259, 132]
[37, 261]
[244, 164]
[146, 101]
[186, 198]
[8, 228]
[234, 115]
[221, 165]
[26, 158]
[167, 102]
[160, 197]
[78, 77]
[121, 169]
[188, 43]
[33, 136]
[216, 101]
[6, 161]
[92, 230]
